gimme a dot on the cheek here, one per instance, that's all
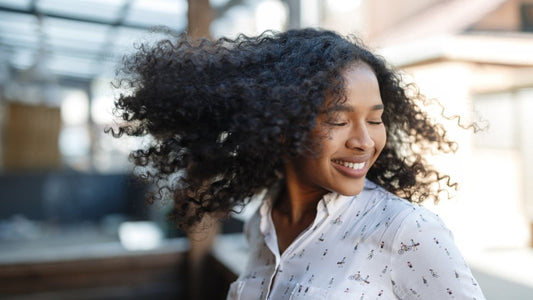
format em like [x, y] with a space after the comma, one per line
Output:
[380, 139]
[320, 142]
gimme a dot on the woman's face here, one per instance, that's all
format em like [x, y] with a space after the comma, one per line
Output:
[350, 136]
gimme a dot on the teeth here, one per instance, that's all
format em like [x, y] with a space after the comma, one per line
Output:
[351, 165]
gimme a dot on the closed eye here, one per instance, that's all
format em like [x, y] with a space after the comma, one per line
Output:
[338, 123]
[375, 122]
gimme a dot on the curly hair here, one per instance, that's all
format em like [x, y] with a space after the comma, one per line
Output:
[226, 115]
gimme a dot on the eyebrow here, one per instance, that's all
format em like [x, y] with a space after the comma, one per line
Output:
[348, 108]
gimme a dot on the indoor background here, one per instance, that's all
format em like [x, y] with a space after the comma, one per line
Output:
[73, 222]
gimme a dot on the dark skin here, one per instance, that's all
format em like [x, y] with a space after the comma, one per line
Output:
[287, 229]
[355, 137]
[295, 210]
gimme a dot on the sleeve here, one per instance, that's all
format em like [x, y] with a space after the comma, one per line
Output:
[426, 263]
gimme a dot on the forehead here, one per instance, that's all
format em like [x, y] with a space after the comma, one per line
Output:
[359, 72]
[360, 87]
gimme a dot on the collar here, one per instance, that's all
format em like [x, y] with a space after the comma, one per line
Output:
[327, 206]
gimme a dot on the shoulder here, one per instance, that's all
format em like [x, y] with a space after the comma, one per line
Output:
[399, 205]
[388, 204]
[402, 218]
[418, 220]
[426, 262]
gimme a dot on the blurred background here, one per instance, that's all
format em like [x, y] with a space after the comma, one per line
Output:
[73, 222]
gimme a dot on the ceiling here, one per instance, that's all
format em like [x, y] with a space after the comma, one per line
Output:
[83, 38]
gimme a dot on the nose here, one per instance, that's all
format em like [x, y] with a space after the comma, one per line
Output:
[360, 138]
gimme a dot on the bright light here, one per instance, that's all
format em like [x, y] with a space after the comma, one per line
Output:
[140, 235]
[342, 5]
[238, 19]
[310, 14]
[165, 6]
[270, 14]
[75, 108]
[103, 100]
[74, 141]
[102, 110]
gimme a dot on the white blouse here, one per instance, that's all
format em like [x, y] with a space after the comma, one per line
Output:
[370, 246]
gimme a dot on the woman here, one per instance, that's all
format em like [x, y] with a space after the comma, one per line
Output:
[330, 131]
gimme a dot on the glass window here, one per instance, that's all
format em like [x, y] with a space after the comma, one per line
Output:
[499, 110]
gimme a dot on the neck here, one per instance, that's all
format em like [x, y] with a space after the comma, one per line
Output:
[298, 202]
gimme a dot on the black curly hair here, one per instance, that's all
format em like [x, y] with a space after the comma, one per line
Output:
[225, 116]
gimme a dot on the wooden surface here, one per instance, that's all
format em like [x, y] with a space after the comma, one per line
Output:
[99, 271]
[127, 275]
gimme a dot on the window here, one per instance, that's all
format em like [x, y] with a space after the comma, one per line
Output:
[526, 12]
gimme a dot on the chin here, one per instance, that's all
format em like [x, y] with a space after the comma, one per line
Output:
[352, 189]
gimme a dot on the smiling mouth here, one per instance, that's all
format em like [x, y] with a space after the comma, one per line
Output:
[351, 165]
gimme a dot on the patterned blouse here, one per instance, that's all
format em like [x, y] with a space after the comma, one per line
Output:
[370, 246]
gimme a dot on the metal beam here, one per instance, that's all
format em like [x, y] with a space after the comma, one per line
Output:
[63, 51]
[36, 12]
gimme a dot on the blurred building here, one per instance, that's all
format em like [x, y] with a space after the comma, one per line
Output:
[476, 58]
[57, 59]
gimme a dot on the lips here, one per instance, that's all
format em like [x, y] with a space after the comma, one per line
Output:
[349, 164]
[351, 168]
